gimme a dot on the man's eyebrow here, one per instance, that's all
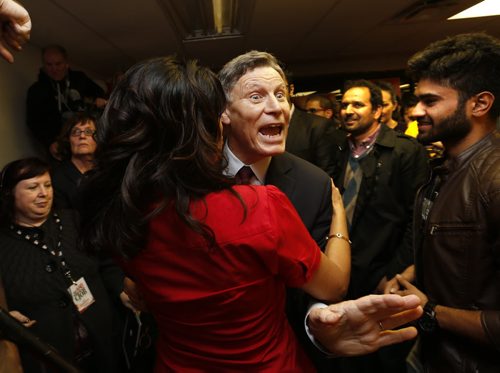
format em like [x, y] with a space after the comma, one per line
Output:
[352, 102]
[426, 96]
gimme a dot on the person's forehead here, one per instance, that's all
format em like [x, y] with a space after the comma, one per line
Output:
[88, 123]
[53, 56]
[38, 178]
[386, 95]
[312, 103]
[261, 74]
[357, 94]
[428, 87]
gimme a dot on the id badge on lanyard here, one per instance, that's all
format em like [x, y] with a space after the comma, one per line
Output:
[81, 295]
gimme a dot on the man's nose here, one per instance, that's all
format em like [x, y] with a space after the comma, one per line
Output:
[273, 104]
[348, 109]
[418, 111]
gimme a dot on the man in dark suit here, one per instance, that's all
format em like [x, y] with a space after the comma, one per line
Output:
[256, 124]
[309, 137]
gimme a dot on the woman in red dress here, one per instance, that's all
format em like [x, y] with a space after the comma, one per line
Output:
[211, 258]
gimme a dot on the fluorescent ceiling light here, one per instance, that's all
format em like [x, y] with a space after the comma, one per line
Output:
[485, 8]
[208, 19]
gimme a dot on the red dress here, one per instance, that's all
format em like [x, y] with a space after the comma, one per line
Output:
[222, 309]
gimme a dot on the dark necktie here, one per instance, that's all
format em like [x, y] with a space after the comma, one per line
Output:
[244, 175]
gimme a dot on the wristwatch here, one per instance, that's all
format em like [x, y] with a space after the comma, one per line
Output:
[428, 322]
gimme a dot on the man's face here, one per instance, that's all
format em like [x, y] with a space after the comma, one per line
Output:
[358, 115]
[55, 65]
[82, 144]
[258, 115]
[388, 107]
[314, 107]
[439, 113]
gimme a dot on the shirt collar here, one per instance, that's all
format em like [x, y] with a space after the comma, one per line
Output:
[363, 147]
[259, 168]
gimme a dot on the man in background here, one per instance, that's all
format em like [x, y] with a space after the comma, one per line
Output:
[319, 105]
[378, 171]
[57, 95]
[390, 107]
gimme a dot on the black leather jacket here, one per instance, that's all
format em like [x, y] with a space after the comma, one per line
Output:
[458, 254]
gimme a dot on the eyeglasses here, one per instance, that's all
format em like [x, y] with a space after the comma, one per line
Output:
[77, 132]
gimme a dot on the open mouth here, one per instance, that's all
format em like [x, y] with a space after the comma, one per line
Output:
[272, 130]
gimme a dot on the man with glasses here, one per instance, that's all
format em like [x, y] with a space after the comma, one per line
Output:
[320, 105]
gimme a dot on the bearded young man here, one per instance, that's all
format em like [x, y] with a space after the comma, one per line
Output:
[457, 216]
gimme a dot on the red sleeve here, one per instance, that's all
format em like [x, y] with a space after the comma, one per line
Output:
[297, 254]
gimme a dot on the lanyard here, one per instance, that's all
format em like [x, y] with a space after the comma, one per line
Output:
[56, 252]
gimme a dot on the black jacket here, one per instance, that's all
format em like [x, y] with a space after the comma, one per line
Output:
[65, 181]
[381, 230]
[309, 137]
[35, 286]
[43, 116]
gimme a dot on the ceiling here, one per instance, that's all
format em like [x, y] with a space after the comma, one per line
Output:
[314, 38]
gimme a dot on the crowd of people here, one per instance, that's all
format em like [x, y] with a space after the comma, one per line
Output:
[258, 236]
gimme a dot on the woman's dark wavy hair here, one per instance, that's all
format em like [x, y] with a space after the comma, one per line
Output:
[469, 63]
[11, 175]
[157, 145]
[63, 144]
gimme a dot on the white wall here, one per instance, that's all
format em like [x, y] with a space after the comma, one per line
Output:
[15, 80]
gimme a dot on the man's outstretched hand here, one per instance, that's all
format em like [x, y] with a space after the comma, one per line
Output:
[361, 326]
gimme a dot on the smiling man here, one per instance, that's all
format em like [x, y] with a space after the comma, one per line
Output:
[379, 171]
[457, 245]
[256, 123]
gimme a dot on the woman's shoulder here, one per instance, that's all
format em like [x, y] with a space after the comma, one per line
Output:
[250, 195]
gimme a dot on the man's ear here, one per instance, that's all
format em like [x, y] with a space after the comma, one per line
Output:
[225, 118]
[378, 113]
[481, 103]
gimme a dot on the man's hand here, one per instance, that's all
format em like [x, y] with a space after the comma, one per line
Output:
[393, 286]
[408, 288]
[15, 27]
[361, 326]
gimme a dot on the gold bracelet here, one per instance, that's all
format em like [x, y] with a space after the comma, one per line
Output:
[339, 235]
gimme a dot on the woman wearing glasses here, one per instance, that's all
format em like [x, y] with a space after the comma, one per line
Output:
[76, 147]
